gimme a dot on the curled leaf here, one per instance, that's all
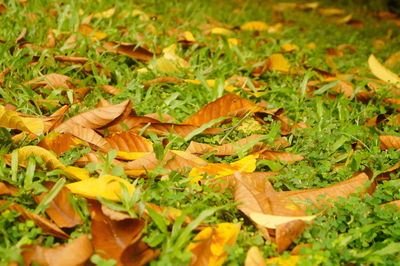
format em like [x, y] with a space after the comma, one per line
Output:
[11, 119]
[382, 72]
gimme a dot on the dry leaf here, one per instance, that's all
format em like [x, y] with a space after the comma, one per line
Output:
[106, 186]
[95, 35]
[11, 119]
[208, 246]
[162, 80]
[280, 156]
[60, 210]
[227, 105]
[60, 142]
[223, 150]
[254, 257]
[132, 50]
[245, 165]
[388, 142]
[97, 118]
[129, 142]
[76, 252]
[170, 61]
[46, 226]
[255, 26]
[51, 81]
[283, 261]
[381, 72]
[7, 189]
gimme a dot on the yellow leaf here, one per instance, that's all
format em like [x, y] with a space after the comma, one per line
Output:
[48, 158]
[233, 41]
[142, 16]
[188, 36]
[272, 221]
[250, 125]
[131, 155]
[76, 172]
[170, 62]
[245, 165]
[105, 14]
[95, 35]
[254, 26]
[279, 63]
[283, 261]
[107, 186]
[254, 257]
[208, 246]
[13, 120]
[382, 72]
[288, 47]
[221, 31]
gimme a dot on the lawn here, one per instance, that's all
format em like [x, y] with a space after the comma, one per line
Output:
[199, 133]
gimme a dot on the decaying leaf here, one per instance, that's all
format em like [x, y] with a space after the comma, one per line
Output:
[388, 142]
[208, 246]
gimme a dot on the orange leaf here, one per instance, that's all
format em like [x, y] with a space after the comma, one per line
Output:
[111, 238]
[227, 105]
[129, 142]
[53, 81]
[60, 210]
[60, 142]
[388, 142]
[6, 189]
[254, 257]
[280, 156]
[76, 252]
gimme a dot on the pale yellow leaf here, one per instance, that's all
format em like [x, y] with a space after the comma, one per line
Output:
[283, 261]
[221, 31]
[382, 72]
[272, 221]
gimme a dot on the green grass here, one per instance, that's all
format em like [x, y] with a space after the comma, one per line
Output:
[353, 231]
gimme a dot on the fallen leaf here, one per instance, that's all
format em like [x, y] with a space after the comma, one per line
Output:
[129, 142]
[381, 72]
[60, 210]
[106, 186]
[76, 252]
[254, 26]
[208, 246]
[277, 62]
[254, 257]
[244, 165]
[223, 150]
[60, 142]
[228, 105]
[7, 189]
[13, 120]
[280, 156]
[95, 35]
[105, 14]
[47, 226]
[283, 261]
[288, 47]
[97, 118]
[111, 238]
[170, 61]
[221, 31]
[132, 50]
[51, 81]
[388, 142]
[162, 80]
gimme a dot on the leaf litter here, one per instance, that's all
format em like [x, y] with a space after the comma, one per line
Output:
[93, 159]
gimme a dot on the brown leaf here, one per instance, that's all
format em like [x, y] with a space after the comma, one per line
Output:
[131, 122]
[82, 61]
[287, 232]
[111, 89]
[76, 252]
[51, 81]
[89, 31]
[280, 156]
[46, 226]
[138, 254]
[60, 210]
[223, 150]
[50, 39]
[3, 8]
[129, 142]
[173, 160]
[111, 238]
[90, 136]
[128, 49]
[395, 202]
[178, 129]
[227, 105]
[7, 189]
[388, 142]
[162, 80]
[97, 118]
